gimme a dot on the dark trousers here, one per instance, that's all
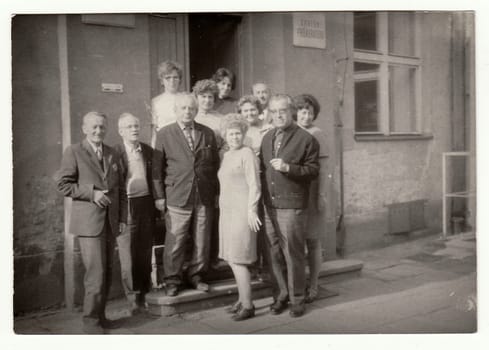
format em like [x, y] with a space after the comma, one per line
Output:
[96, 253]
[286, 242]
[140, 224]
[192, 222]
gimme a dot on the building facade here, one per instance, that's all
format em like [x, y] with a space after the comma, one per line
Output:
[396, 91]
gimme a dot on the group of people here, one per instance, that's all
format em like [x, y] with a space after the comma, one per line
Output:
[256, 167]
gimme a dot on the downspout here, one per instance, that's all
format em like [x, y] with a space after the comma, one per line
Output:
[338, 113]
[69, 240]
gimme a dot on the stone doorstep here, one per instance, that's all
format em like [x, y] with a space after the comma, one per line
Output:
[225, 291]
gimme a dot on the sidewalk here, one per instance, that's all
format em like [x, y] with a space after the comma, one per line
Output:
[423, 286]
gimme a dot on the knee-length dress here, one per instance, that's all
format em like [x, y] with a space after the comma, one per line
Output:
[239, 194]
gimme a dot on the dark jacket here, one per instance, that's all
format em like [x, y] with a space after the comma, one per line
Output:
[147, 152]
[300, 150]
[79, 175]
[176, 169]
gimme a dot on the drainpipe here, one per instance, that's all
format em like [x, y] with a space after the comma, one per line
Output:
[69, 241]
[338, 114]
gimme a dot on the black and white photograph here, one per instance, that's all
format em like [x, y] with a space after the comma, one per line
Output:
[278, 172]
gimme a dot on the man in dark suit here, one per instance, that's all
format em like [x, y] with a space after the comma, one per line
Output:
[136, 167]
[185, 183]
[289, 161]
[90, 175]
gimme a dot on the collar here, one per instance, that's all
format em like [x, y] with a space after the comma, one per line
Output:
[183, 126]
[95, 147]
[289, 128]
[131, 148]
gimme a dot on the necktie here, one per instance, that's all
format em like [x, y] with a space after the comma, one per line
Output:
[187, 131]
[100, 157]
[279, 136]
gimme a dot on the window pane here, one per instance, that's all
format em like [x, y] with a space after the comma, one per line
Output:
[366, 109]
[365, 31]
[402, 101]
[365, 67]
[401, 33]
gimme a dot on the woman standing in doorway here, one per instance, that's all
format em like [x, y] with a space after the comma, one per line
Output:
[307, 112]
[238, 219]
[163, 105]
[226, 83]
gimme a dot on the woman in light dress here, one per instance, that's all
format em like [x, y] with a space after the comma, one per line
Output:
[249, 107]
[226, 81]
[163, 105]
[307, 112]
[238, 202]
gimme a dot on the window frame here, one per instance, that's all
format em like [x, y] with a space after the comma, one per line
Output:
[384, 59]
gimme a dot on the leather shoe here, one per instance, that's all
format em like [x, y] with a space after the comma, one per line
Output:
[297, 310]
[199, 285]
[311, 295]
[244, 314]
[109, 324]
[278, 307]
[171, 290]
[234, 308]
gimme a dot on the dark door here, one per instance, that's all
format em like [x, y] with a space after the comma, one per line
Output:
[213, 43]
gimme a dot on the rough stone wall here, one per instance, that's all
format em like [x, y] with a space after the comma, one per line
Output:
[38, 209]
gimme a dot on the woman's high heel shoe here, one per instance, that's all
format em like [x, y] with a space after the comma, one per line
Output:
[244, 314]
[234, 308]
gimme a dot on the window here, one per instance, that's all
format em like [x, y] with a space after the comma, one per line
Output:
[387, 73]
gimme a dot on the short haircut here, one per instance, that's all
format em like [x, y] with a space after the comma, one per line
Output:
[233, 121]
[125, 116]
[182, 95]
[166, 67]
[284, 97]
[94, 114]
[222, 73]
[248, 99]
[259, 83]
[205, 86]
[305, 101]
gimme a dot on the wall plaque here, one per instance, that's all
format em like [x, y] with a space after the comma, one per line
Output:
[309, 30]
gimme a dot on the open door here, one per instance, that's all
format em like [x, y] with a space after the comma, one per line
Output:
[213, 43]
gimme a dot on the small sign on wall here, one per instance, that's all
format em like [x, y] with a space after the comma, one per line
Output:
[111, 87]
[309, 30]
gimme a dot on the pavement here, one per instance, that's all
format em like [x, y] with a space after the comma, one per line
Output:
[424, 286]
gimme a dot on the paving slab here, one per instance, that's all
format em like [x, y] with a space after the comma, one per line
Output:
[414, 291]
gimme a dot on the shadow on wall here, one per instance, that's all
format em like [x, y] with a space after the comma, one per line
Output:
[38, 245]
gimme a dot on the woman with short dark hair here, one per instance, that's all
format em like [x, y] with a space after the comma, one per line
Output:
[226, 82]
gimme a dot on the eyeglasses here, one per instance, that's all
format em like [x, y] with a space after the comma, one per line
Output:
[132, 126]
[171, 77]
[278, 111]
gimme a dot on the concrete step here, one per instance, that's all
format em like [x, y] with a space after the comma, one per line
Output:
[224, 292]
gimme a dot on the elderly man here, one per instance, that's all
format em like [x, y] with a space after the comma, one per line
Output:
[289, 161]
[185, 183]
[90, 175]
[262, 93]
[136, 158]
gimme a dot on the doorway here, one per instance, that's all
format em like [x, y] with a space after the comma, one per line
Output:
[213, 43]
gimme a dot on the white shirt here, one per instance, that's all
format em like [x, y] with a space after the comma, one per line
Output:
[136, 184]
